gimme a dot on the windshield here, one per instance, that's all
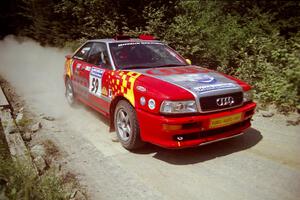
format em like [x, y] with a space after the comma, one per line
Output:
[144, 55]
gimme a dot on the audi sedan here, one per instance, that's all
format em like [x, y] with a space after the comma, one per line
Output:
[150, 93]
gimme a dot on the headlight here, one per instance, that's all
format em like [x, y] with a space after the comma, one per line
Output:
[248, 96]
[177, 107]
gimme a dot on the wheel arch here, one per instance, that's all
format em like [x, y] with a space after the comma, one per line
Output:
[66, 77]
[112, 109]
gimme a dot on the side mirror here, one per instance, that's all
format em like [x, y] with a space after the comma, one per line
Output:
[68, 56]
[188, 61]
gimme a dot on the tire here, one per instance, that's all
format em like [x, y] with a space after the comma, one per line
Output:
[127, 126]
[70, 96]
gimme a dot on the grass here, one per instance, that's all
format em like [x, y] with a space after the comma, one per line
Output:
[19, 181]
[4, 152]
[51, 148]
[24, 183]
[25, 122]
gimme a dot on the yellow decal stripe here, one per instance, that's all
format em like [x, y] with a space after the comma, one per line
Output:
[68, 67]
[129, 93]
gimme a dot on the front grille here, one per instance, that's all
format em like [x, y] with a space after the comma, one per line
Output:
[209, 104]
[213, 132]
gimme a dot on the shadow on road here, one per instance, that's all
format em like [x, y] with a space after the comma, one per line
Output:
[197, 154]
[204, 153]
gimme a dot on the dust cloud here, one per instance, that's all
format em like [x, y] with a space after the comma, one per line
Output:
[36, 72]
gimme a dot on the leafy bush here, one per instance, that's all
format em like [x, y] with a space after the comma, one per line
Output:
[256, 40]
[247, 45]
[272, 68]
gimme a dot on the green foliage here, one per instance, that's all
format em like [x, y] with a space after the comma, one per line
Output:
[155, 23]
[24, 122]
[24, 184]
[273, 68]
[247, 45]
[255, 40]
[4, 152]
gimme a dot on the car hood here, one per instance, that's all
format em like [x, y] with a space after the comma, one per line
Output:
[197, 80]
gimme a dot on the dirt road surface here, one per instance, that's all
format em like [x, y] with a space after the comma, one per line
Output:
[262, 164]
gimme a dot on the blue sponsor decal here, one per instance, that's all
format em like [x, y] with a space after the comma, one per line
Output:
[193, 78]
[96, 72]
[206, 79]
[206, 88]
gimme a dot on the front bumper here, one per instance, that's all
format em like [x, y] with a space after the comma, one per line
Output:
[194, 131]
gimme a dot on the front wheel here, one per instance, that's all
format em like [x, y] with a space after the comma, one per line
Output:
[127, 126]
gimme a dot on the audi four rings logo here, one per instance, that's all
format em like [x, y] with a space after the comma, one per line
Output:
[224, 101]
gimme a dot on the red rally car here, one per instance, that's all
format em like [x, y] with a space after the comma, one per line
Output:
[152, 94]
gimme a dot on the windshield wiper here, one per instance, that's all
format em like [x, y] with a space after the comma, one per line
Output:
[171, 65]
[145, 67]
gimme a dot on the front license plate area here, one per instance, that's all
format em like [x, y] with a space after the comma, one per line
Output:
[225, 121]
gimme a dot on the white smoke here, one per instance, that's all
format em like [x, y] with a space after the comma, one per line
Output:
[35, 71]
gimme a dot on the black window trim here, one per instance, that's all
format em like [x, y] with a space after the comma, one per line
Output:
[110, 67]
[82, 46]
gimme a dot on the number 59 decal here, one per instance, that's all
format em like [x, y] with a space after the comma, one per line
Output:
[95, 81]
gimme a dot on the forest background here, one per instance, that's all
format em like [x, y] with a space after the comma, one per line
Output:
[255, 40]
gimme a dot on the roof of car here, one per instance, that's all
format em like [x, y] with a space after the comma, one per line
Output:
[112, 40]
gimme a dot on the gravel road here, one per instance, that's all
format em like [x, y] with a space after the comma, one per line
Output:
[264, 163]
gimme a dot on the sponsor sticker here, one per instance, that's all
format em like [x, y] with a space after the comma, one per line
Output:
[205, 79]
[77, 68]
[195, 78]
[96, 81]
[205, 88]
[88, 68]
[141, 88]
[225, 121]
[137, 43]
[104, 91]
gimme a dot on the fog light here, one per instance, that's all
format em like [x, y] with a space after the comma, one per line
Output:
[169, 127]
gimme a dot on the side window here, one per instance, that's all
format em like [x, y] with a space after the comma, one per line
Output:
[99, 55]
[83, 53]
